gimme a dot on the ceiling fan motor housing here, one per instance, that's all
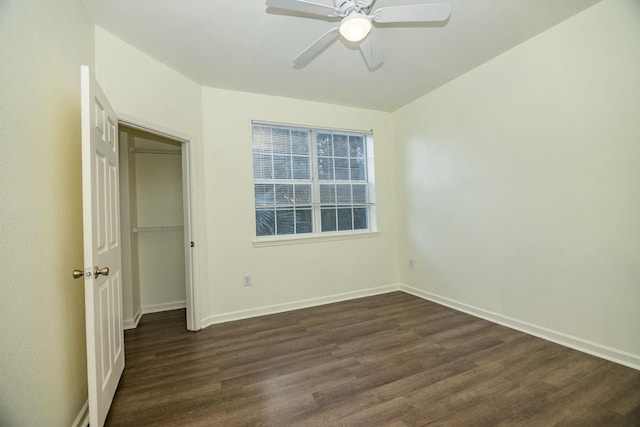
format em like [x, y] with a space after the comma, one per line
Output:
[348, 7]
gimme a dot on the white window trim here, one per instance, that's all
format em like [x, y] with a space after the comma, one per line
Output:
[319, 236]
[297, 239]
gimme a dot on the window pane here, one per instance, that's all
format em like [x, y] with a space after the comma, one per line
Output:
[327, 193]
[359, 193]
[264, 194]
[302, 193]
[282, 167]
[265, 222]
[304, 223]
[358, 170]
[325, 168]
[301, 167]
[281, 141]
[340, 148]
[356, 147]
[328, 216]
[342, 169]
[262, 138]
[284, 194]
[344, 219]
[324, 145]
[300, 142]
[360, 218]
[344, 193]
[284, 221]
[262, 166]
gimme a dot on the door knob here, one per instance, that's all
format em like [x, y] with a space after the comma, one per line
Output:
[98, 271]
[78, 274]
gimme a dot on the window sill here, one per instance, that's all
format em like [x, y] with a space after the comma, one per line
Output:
[288, 240]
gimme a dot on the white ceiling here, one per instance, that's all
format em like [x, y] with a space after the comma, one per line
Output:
[240, 45]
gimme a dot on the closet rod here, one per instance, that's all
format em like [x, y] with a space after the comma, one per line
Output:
[142, 151]
[159, 228]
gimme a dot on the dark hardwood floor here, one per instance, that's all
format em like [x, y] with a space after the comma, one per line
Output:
[392, 360]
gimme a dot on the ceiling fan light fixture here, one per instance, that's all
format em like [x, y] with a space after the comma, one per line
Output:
[355, 27]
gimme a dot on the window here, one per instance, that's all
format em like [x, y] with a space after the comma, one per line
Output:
[311, 181]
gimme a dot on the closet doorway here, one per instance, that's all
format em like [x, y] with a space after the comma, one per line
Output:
[155, 224]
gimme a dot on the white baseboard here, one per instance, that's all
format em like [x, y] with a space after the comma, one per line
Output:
[585, 346]
[82, 420]
[295, 305]
[133, 323]
[155, 308]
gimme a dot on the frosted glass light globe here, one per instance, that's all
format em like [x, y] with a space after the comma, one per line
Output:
[355, 27]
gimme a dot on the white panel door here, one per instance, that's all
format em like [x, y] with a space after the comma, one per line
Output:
[102, 262]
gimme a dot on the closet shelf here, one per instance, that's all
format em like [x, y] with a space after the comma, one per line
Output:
[149, 151]
[157, 228]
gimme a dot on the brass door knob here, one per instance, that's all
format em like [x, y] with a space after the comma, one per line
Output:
[78, 274]
[98, 271]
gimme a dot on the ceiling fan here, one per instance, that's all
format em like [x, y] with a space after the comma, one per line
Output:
[356, 23]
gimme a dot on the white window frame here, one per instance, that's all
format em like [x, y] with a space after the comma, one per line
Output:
[317, 234]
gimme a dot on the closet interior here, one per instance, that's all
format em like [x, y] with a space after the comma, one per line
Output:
[152, 224]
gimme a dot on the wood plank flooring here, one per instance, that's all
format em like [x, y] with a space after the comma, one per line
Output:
[388, 360]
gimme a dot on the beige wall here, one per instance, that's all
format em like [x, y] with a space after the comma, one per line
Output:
[42, 344]
[519, 183]
[289, 273]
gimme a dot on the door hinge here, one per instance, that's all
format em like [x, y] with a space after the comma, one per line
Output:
[192, 244]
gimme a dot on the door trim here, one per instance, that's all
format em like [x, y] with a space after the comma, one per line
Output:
[190, 226]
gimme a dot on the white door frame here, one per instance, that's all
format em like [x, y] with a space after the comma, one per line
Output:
[191, 265]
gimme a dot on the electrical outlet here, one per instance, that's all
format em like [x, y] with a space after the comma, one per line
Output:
[410, 263]
[246, 280]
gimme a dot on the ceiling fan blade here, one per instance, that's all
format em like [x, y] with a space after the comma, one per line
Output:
[370, 52]
[414, 13]
[318, 46]
[305, 7]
